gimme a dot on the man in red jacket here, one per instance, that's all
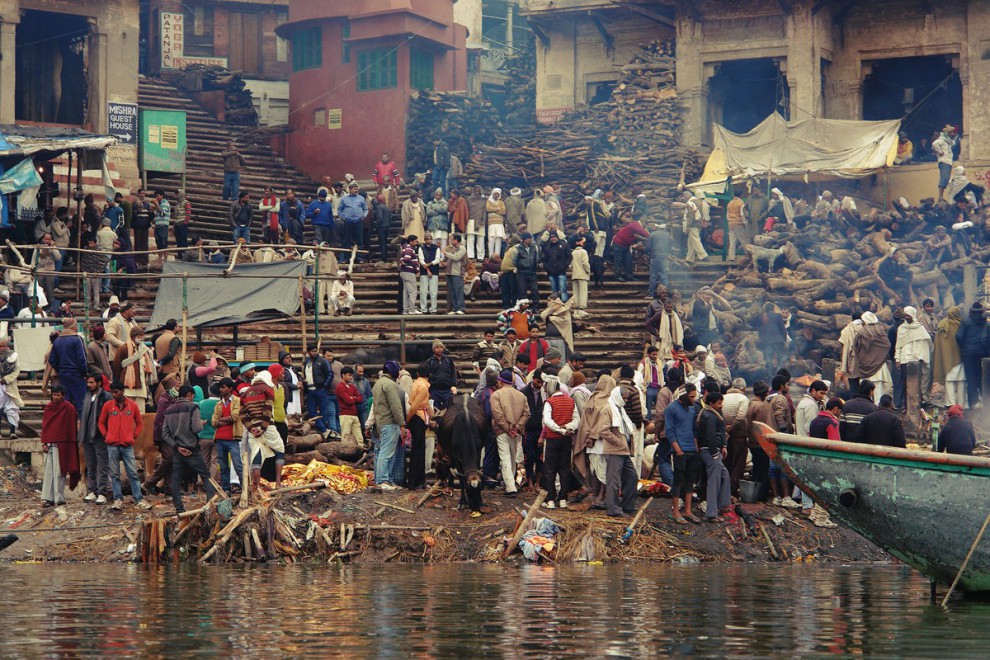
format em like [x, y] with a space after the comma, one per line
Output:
[386, 173]
[348, 398]
[534, 348]
[120, 424]
[625, 237]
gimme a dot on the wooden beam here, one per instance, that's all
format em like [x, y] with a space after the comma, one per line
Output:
[540, 34]
[606, 37]
[646, 12]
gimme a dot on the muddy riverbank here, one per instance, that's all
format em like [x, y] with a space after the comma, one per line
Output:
[374, 527]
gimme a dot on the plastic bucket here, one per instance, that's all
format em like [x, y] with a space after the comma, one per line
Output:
[748, 491]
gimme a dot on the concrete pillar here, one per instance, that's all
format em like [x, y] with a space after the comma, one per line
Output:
[8, 70]
[803, 64]
[691, 81]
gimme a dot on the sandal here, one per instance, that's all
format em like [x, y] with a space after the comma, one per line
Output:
[680, 520]
[693, 518]
[715, 519]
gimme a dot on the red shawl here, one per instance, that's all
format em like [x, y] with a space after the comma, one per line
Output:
[58, 427]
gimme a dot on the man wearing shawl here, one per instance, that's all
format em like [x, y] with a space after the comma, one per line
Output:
[947, 365]
[134, 367]
[847, 362]
[914, 344]
[973, 340]
[588, 453]
[780, 206]
[621, 470]
[669, 329]
[870, 348]
[257, 416]
[58, 442]
[68, 359]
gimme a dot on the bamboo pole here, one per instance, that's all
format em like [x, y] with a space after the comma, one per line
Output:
[185, 330]
[302, 317]
[965, 563]
[522, 526]
[639, 514]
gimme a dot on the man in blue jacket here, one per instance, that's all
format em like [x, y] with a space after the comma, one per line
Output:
[352, 211]
[679, 423]
[320, 214]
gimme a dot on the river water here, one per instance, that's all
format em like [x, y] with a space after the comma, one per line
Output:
[76, 610]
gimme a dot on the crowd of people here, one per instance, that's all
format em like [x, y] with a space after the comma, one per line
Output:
[681, 412]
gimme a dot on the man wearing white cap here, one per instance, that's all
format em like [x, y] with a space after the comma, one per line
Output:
[113, 308]
[914, 344]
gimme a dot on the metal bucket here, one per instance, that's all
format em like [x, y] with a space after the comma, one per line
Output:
[748, 491]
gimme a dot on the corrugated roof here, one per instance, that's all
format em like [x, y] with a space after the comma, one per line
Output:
[16, 139]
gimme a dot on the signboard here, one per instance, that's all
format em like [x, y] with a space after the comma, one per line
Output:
[122, 122]
[550, 115]
[173, 38]
[185, 60]
[163, 141]
[335, 118]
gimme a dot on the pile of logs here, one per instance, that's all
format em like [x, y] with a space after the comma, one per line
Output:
[305, 444]
[824, 276]
[520, 86]
[456, 117]
[238, 104]
[629, 142]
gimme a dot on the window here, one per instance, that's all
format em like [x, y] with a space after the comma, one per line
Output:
[377, 69]
[345, 48]
[307, 49]
[420, 69]
[281, 45]
[198, 29]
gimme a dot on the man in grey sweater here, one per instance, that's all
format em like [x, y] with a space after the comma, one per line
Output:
[390, 419]
[181, 432]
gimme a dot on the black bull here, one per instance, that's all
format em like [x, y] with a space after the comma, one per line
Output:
[373, 357]
[461, 434]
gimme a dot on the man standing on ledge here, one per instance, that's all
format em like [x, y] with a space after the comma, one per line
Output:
[233, 161]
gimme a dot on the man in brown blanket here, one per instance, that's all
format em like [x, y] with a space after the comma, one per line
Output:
[58, 441]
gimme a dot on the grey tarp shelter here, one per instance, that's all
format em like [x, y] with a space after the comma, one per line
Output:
[252, 292]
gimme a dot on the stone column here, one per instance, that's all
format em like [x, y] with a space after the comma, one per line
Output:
[99, 76]
[8, 69]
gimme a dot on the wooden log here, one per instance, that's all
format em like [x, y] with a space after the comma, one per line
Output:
[342, 450]
[393, 506]
[315, 485]
[522, 525]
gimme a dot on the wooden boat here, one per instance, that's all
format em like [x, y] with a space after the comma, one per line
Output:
[924, 508]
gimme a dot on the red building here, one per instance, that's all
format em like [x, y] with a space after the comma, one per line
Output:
[355, 64]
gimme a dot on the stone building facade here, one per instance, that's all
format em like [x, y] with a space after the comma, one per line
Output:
[840, 59]
[239, 35]
[63, 61]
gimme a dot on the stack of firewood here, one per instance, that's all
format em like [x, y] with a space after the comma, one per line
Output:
[306, 443]
[629, 142]
[454, 116]
[238, 104]
[823, 274]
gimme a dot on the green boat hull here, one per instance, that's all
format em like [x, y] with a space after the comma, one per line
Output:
[924, 508]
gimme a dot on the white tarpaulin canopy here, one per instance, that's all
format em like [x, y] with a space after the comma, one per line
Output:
[822, 148]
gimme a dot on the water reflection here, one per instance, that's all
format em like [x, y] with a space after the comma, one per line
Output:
[461, 610]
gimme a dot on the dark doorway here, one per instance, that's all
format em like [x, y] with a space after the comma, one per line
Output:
[742, 93]
[926, 89]
[51, 68]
